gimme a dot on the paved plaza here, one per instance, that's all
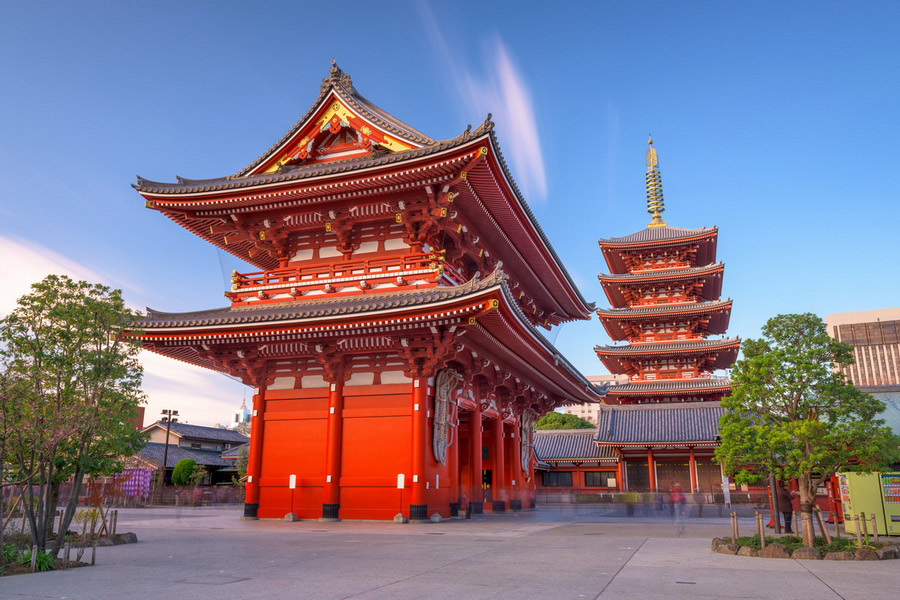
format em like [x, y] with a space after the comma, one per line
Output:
[551, 552]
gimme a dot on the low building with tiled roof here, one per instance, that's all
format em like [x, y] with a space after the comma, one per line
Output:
[204, 445]
[570, 462]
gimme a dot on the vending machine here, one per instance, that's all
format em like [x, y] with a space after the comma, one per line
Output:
[861, 493]
[890, 494]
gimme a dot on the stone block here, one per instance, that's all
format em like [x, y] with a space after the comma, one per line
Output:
[716, 542]
[436, 518]
[866, 554]
[888, 553]
[843, 555]
[807, 554]
[125, 538]
[747, 551]
[727, 548]
[400, 518]
[775, 550]
[291, 517]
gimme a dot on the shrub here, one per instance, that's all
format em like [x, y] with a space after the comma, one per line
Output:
[181, 474]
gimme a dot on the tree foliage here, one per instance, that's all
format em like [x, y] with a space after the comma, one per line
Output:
[71, 387]
[181, 474]
[555, 420]
[791, 414]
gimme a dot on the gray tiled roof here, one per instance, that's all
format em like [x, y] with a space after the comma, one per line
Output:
[635, 349]
[235, 451]
[657, 234]
[154, 453]
[659, 274]
[210, 434]
[304, 309]
[674, 386]
[659, 424]
[570, 445]
[664, 309]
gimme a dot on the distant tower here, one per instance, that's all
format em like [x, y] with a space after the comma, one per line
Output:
[241, 415]
[664, 285]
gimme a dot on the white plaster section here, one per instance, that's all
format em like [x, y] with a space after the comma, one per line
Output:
[395, 244]
[329, 252]
[366, 247]
[308, 382]
[361, 379]
[305, 254]
[283, 383]
[389, 377]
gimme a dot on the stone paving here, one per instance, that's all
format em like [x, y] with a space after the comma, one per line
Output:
[552, 552]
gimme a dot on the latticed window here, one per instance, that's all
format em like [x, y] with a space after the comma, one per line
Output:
[557, 479]
[599, 478]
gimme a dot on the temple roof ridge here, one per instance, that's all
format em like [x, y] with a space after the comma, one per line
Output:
[662, 272]
[674, 346]
[658, 234]
[666, 308]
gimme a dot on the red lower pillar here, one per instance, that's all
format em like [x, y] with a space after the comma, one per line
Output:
[620, 473]
[418, 503]
[453, 466]
[515, 494]
[692, 465]
[499, 503]
[331, 497]
[651, 469]
[476, 492]
[254, 458]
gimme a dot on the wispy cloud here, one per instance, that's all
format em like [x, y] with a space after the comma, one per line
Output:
[201, 396]
[496, 86]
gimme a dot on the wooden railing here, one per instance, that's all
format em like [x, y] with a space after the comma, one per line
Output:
[354, 276]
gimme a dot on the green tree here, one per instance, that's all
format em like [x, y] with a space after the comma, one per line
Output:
[791, 414]
[555, 420]
[76, 393]
[183, 471]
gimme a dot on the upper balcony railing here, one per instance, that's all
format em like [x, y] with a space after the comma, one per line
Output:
[346, 277]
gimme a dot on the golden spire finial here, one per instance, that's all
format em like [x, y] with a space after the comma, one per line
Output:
[655, 204]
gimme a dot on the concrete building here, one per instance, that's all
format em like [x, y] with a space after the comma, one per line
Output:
[591, 412]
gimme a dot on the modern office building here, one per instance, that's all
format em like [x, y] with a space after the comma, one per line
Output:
[875, 337]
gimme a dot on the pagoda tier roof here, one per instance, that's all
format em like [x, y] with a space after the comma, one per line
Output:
[500, 331]
[670, 387]
[487, 198]
[690, 423]
[617, 358]
[710, 274]
[718, 313]
[571, 446]
[615, 249]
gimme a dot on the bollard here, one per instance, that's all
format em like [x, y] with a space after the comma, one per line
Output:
[115, 521]
[33, 557]
[864, 522]
[837, 529]
[66, 555]
[825, 534]
[761, 528]
[798, 528]
[858, 531]
[94, 552]
[734, 530]
[874, 527]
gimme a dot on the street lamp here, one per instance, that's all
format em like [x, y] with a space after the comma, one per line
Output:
[168, 417]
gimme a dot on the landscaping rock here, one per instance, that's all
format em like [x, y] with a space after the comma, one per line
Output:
[727, 548]
[400, 518]
[775, 550]
[747, 551]
[291, 517]
[106, 542]
[843, 555]
[125, 538]
[716, 542]
[888, 553]
[866, 554]
[436, 518]
[807, 554]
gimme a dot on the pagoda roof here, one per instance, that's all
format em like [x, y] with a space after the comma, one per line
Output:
[670, 387]
[488, 196]
[711, 275]
[617, 358]
[570, 445]
[501, 332]
[651, 236]
[652, 312]
[661, 274]
[659, 425]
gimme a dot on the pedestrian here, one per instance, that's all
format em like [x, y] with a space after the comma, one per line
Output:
[466, 507]
[785, 505]
[676, 501]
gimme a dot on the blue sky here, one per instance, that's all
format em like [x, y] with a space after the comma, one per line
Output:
[774, 121]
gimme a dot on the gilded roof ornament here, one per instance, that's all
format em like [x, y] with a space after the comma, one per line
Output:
[655, 203]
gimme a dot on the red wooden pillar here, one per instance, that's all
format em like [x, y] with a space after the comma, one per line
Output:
[476, 493]
[418, 503]
[620, 470]
[254, 457]
[515, 493]
[331, 498]
[651, 469]
[692, 465]
[453, 464]
[499, 504]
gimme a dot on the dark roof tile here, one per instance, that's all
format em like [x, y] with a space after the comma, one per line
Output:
[695, 422]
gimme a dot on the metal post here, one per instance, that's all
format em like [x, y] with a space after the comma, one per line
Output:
[169, 416]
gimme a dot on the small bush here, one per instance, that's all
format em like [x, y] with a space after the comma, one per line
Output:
[181, 474]
[792, 542]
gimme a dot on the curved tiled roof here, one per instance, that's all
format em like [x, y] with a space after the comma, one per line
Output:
[658, 234]
[664, 309]
[154, 452]
[660, 274]
[660, 424]
[200, 432]
[304, 309]
[570, 445]
[685, 346]
[669, 386]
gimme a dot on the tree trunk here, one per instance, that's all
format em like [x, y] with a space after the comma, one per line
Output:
[71, 507]
[807, 499]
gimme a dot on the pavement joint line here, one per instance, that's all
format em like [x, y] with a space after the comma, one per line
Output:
[800, 562]
[619, 570]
